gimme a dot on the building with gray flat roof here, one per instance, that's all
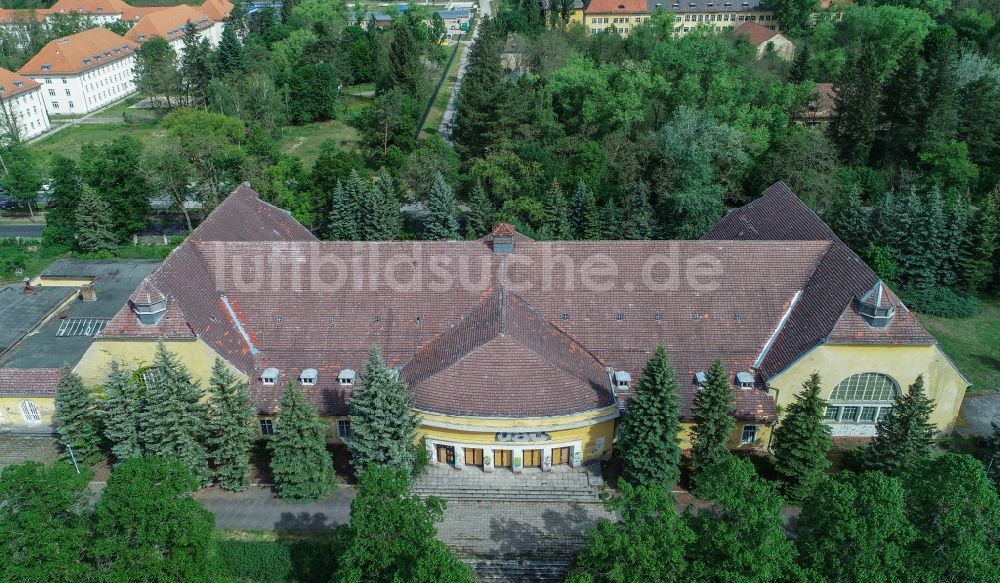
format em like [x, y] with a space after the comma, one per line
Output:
[53, 326]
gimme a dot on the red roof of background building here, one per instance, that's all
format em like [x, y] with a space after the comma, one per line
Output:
[755, 34]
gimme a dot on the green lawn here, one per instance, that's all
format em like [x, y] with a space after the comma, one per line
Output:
[304, 141]
[972, 343]
[69, 141]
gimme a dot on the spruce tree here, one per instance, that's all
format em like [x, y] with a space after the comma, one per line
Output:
[381, 222]
[229, 56]
[849, 219]
[478, 98]
[906, 435]
[557, 225]
[78, 418]
[64, 194]
[802, 441]
[637, 223]
[406, 70]
[302, 468]
[586, 220]
[648, 438]
[343, 224]
[904, 106]
[173, 419]
[713, 419]
[856, 117]
[801, 70]
[940, 85]
[442, 209]
[981, 244]
[230, 422]
[481, 212]
[122, 411]
[94, 227]
[611, 220]
[383, 426]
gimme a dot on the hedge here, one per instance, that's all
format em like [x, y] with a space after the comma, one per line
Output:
[280, 561]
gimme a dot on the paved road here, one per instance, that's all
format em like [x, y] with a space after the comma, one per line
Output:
[979, 412]
[20, 231]
[258, 508]
[449, 111]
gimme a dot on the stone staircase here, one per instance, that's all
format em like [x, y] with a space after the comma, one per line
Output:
[565, 485]
[511, 571]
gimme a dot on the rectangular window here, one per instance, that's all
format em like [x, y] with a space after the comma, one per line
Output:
[67, 92]
[52, 92]
[71, 105]
[343, 428]
[749, 436]
[868, 414]
[55, 105]
[850, 414]
[266, 427]
[832, 413]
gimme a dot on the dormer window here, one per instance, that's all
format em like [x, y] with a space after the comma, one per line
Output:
[875, 308]
[308, 377]
[46, 67]
[700, 378]
[346, 377]
[147, 303]
[744, 380]
[622, 380]
[503, 238]
[18, 83]
[269, 376]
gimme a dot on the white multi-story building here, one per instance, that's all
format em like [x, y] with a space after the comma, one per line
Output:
[171, 24]
[22, 107]
[84, 71]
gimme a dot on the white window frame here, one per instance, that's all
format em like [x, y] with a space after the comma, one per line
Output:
[752, 429]
[268, 381]
[30, 412]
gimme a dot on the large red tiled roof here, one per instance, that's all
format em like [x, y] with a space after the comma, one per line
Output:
[504, 359]
[12, 84]
[260, 290]
[29, 381]
[825, 311]
[618, 7]
[79, 52]
[168, 23]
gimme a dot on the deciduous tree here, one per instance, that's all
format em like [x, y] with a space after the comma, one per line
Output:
[147, 527]
[391, 536]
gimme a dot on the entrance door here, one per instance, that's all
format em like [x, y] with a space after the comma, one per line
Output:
[560, 455]
[532, 458]
[502, 458]
[446, 454]
[473, 457]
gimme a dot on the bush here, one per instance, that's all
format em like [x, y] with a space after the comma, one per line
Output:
[940, 301]
[258, 561]
[297, 559]
[421, 457]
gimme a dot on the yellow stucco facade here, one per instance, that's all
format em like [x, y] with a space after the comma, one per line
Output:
[196, 355]
[14, 416]
[835, 362]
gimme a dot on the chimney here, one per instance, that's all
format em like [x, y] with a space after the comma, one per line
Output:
[28, 288]
[88, 293]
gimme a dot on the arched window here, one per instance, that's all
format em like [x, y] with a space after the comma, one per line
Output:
[30, 412]
[862, 398]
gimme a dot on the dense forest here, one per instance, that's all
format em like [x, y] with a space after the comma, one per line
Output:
[574, 135]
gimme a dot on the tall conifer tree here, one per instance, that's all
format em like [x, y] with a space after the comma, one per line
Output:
[637, 223]
[981, 244]
[230, 420]
[557, 225]
[713, 418]
[481, 213]
[78, 418]
[442, 209]
[173, 419]
[302, 468]
[343, 223]
[383, 426]
[122, 411]
[585, 217]
[648, 438]
[906, 435]
[94, 226]
[802, 441]
[611, 220]
[857, 107]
